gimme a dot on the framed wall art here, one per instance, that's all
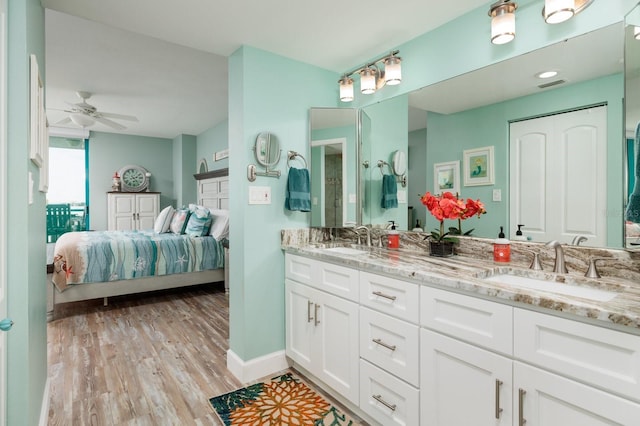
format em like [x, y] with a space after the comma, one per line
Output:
[446, 177]
[478, 166]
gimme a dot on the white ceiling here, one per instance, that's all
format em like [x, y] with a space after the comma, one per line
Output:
[165, 61]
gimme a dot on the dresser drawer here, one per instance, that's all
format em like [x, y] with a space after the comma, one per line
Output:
[391, 296]
[390, 343]
[602, 357]
[473, 320]
[386, 398]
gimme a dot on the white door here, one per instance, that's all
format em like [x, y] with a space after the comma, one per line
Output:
[558, 176]
[3, 207]
[545, 399]
[461, 384]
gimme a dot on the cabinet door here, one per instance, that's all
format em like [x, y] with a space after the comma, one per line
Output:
[147, 206]
[300, 325]
[461, 384]
[552, 400]
[337, 320]
[121, 212]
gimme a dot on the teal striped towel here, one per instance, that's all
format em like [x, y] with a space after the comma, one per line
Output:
[389, 192]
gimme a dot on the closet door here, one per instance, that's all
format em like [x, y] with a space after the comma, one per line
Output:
[558, 176]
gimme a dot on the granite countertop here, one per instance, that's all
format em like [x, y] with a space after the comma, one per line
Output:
[467, 274]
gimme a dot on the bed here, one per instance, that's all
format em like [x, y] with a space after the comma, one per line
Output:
[100, 264]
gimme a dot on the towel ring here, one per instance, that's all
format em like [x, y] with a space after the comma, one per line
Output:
[381, 165]
[400, 179]
[292, 155]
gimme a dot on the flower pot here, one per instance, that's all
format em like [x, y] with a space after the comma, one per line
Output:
[441, 248]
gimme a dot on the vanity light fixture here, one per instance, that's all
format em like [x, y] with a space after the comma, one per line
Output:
[557, 11]
[373, 76]
[503, 21]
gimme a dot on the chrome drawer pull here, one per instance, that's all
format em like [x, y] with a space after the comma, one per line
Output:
[498, 409]
[521, 419]
[386, 296]
[316, 321]
[378, 398]
[386, 345]
[309, 317]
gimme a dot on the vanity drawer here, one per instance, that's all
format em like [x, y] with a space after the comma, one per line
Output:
[391, 296]
[298, 268]
[386, 398]
[390, 343]
[605, 358]
[477, 321]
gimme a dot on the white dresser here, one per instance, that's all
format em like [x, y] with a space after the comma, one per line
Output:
[132, 210]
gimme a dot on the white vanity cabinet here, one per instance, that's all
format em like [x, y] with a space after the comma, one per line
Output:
[321, 323]
[487, 363]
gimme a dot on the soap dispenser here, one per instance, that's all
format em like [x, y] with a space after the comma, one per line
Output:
[393, 237]
[501, 248]
[519, 236]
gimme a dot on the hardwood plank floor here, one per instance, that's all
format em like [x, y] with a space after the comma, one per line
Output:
[152, 359]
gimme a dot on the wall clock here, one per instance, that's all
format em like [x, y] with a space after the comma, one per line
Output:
[134, 178]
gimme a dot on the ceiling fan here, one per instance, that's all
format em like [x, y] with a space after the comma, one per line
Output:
[84, 114]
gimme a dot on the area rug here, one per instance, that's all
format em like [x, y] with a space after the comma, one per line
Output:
[285, 400]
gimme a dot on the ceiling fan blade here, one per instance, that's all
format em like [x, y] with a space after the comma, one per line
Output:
[66, 120]
[110, 123]
[118, 116]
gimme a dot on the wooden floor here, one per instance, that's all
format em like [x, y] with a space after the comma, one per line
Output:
[151, 359]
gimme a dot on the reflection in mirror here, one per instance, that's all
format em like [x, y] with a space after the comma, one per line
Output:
[632, 127]
[591, 73]
[334, 163]
[267, 150]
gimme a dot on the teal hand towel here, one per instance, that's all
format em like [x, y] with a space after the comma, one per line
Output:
[389, 192]
[298, 195]
[633, 208]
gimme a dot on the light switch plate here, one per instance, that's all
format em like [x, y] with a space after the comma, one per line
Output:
[402, 196]
[497, 195]
[259, 195]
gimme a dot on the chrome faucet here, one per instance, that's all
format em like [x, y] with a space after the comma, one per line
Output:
[559, 265]
[578, 239]
[368, 231]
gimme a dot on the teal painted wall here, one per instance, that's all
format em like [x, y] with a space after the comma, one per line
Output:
[449, 135]
[211, 141]
[26, 257]
[184, 159]
[417, 174]
[110, 151]
[256, 261]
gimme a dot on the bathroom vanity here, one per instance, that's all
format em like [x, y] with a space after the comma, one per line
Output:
[403, 338]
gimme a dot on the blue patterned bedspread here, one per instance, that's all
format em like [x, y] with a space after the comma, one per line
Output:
[99, 256]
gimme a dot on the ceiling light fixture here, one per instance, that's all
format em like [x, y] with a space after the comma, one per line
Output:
[556, 11]
[547, 74]
[636, 32]
[373, 76]
[81, 120]
[503, 21]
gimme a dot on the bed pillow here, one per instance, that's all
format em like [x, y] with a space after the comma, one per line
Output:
[179, 221]
[163, 221]
[199, 222]
[220, 225]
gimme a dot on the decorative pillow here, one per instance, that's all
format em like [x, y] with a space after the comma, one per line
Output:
[199, 222]
[220, 226]
[163, 221]
[179, 221]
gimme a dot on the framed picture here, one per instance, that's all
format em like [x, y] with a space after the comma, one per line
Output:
[446, 177]
[478, 166]
[36, 112]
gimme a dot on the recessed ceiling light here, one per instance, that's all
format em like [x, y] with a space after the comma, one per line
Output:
[547, 74]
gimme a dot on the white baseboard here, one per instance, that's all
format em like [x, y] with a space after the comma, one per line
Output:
[248, 371]
[44, 407]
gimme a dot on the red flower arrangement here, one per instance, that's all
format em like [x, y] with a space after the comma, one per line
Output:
[449, 206]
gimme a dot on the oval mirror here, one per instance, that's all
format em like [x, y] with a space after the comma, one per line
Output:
[267, 149]
[399, 163]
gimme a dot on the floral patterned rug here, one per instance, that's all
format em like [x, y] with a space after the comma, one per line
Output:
[285, 400]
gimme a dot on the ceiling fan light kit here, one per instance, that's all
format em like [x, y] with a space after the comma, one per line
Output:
[86, 115]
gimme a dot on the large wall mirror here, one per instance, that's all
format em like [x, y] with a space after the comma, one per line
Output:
[632, 127]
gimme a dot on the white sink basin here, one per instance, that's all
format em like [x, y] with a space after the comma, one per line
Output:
[553, 287]
[346, 251]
